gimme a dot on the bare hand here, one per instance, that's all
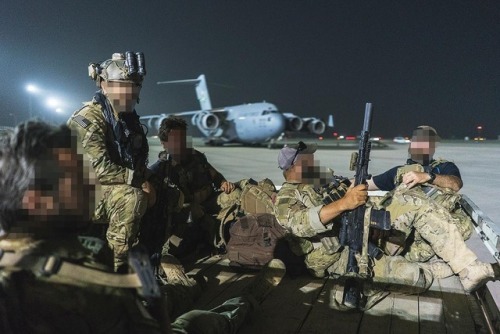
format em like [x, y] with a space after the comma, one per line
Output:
[355, 196]
[411, 179]
[227, 187]
[150, 193]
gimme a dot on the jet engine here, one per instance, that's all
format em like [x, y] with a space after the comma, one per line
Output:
[294, 123]
[316, 126]
[152, 123]
[205, 121]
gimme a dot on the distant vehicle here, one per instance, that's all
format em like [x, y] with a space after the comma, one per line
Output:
[401, 140]
[252, 123]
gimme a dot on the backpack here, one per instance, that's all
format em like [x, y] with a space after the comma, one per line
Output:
[258, 197]
[253, 240]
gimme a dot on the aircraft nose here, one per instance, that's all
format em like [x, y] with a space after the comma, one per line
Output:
[278, 122]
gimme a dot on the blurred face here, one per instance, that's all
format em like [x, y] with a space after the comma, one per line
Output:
[122, 95]
[60, 189]
[308, 170]
[422, 149]
[176, 143]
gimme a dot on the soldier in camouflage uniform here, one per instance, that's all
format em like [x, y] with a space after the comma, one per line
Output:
[302, 211]
[109, 129]
[439, 179]
[204, 190]
[50, 283]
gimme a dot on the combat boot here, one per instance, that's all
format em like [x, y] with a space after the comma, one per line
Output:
[268, 278]
[477, 274]
[437, 267]
[174, 272]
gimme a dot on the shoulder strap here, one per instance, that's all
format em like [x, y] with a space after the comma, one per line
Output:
[54, 266]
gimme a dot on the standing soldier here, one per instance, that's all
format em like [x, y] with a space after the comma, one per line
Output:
[110, 132]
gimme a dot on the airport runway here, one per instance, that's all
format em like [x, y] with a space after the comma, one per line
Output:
[479, 164]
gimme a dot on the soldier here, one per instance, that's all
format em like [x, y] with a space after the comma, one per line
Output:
[204, 190]
[301, 210]
[439, 179]
[109, 129]
[50, 283]
[424, 168]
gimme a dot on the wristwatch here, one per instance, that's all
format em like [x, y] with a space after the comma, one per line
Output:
[432, 177]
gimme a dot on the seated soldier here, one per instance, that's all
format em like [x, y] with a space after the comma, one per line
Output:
[50, 283]
[200, 184]
[300, 208]
[439, 179]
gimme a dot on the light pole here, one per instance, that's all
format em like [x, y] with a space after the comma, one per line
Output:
[13, 118]
[32, 89]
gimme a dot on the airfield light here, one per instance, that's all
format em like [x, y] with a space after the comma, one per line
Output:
[32, 88]
[52, 102]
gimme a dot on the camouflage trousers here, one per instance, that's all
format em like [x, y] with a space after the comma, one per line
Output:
[226, 318]
[393, 273]
[122, 207]
[435, 233]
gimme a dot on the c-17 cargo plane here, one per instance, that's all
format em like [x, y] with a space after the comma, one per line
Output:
[251, 123]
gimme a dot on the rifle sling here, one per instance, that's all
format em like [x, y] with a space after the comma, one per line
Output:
[54, 266]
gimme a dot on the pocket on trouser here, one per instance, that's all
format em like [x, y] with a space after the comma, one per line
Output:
[397, 274]
[318, 261]
[126, 206]
[463, 223]
[419, 250]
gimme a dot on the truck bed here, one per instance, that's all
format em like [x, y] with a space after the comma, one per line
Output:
[301, 304]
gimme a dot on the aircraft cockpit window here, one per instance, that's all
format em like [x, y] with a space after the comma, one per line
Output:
[267, 112]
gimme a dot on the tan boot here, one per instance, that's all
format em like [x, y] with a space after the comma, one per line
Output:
[174, 271]
[269, 277]
[437, 267]
[476, 275]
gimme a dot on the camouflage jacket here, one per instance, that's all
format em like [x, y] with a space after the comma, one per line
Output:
[297, 208]
[96, 137]
[196, 178]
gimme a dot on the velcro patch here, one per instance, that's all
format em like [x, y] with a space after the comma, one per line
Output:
[82, 121]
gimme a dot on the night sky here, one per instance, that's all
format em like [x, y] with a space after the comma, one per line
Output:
[418, 62]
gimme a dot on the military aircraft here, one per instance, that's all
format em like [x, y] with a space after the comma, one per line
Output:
[251, 123]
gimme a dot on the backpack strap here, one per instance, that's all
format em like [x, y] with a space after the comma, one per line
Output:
[55, 267]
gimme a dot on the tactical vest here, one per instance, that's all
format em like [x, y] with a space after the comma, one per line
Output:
[447, 198]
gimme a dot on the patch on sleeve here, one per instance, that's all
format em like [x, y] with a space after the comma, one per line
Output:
[82, 121]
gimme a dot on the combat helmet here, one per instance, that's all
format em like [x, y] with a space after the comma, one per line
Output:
[125, 67]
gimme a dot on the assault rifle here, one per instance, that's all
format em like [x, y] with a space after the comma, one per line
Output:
[355, 229]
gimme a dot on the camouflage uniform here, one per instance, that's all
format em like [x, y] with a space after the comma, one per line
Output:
[35, 303]
[412, 211]
[418, 249]
[195, 222]
[123, 202]
[297, 209]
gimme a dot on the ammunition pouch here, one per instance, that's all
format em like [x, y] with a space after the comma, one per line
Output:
[331, 244]
[334, 190]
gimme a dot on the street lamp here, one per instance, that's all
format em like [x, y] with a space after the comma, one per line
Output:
[32, 89]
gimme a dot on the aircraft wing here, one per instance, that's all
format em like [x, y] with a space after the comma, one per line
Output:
[207, 121]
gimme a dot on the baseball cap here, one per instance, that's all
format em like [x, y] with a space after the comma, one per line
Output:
[425, 131]
[288, 154]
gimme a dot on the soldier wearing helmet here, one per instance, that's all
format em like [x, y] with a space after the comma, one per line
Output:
[114, 140]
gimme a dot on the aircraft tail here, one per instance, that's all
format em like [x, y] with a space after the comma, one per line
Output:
[201, 90]
[330, 121]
